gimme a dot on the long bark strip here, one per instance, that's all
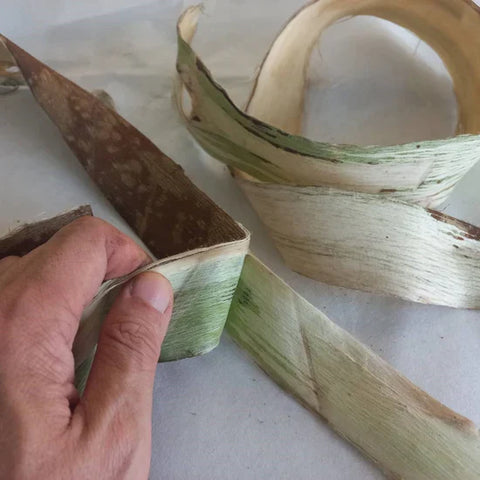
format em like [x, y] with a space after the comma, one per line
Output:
[410, 435]
[270, 158]
[198, 244]
[203, 281]
[148, 189]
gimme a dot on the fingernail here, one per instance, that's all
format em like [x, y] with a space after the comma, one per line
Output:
[153, 289]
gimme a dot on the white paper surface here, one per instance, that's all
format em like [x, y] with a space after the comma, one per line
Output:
[219, 416]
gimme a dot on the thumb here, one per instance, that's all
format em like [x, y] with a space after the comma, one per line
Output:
[123, 371]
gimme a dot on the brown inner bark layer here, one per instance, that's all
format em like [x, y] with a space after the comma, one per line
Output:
[148, 189]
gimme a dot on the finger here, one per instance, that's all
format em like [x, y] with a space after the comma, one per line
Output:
[121, 380]
[52, 284]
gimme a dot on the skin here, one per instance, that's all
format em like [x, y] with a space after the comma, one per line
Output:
[46, 430]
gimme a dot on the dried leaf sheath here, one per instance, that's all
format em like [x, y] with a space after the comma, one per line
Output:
[148, 189]
[203, 281]
[176, 220]
[408, 434]
[273, 162]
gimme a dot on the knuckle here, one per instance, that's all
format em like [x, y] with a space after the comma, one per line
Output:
[95, 231]
[135, 338]
[87, 225]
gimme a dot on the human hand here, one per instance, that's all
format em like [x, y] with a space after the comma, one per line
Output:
[46, 430]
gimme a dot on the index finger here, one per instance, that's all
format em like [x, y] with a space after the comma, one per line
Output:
[50, 287]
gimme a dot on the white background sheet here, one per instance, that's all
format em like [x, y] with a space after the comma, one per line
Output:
[219, 416]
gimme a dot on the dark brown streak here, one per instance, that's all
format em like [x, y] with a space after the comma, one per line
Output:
[469, 231]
